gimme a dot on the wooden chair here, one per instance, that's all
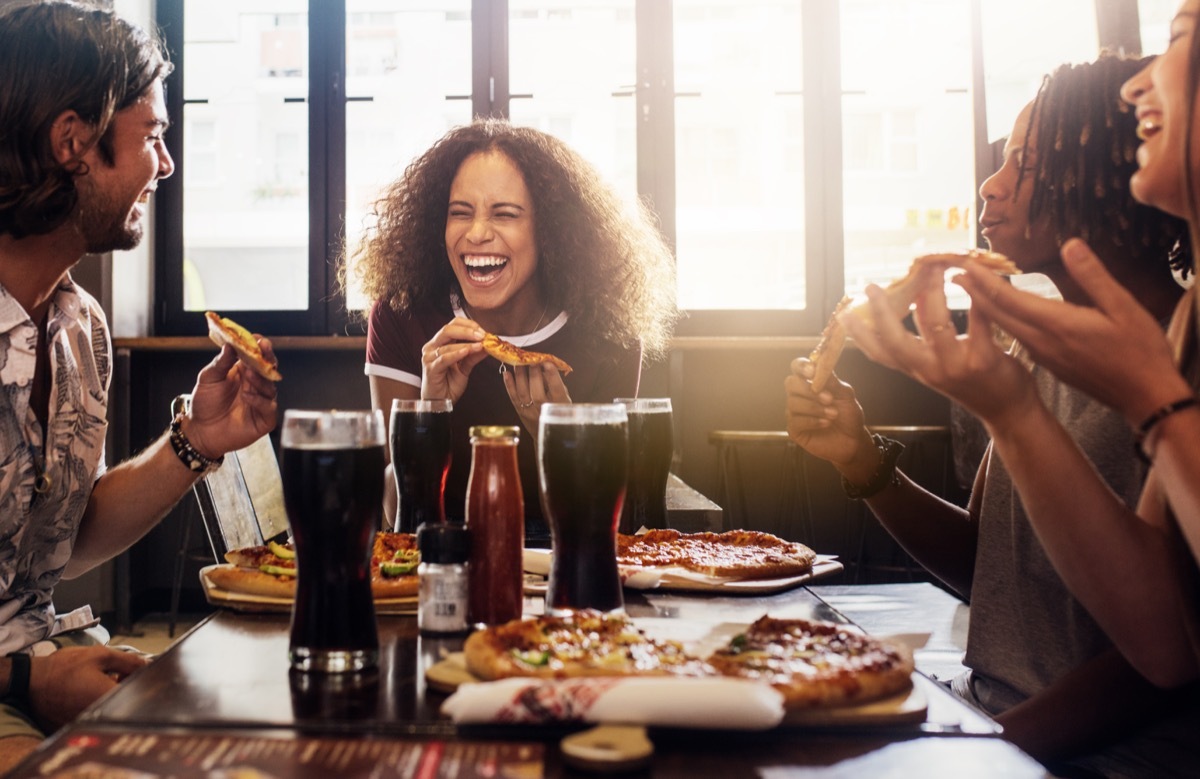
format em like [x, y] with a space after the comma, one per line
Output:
[240, 504]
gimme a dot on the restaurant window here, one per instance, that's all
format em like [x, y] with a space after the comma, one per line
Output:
[791, 149]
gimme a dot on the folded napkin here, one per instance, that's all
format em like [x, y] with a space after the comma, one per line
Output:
[729, 704]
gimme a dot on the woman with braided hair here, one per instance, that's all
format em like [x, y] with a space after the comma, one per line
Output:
[1037, 659]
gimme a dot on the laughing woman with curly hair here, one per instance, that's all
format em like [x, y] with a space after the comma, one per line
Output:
[506, 230]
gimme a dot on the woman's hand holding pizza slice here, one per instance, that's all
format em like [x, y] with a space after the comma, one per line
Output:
[900, 295]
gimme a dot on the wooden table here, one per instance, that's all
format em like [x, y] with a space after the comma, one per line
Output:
[226, 686]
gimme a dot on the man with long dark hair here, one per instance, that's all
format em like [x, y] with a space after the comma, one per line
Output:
[81, 152]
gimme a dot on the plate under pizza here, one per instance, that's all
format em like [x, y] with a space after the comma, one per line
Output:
[537, 562]
[267, 604]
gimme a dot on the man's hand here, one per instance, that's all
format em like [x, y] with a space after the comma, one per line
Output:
[63, 684]
[232, 406]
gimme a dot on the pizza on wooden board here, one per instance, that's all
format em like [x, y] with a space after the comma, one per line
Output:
[222, 330]
[734, 554]
[511, 354]
[901, 294]
[812, 664]
[270, 570]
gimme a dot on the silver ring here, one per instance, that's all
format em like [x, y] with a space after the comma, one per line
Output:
[526, 405]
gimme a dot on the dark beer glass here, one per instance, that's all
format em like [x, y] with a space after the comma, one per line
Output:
[651, 445]
[421, 441]
[332, 468]
[581, 470]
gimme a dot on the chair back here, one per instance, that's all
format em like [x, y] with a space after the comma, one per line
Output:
[241, 503]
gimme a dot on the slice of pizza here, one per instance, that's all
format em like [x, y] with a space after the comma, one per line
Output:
[901, 294]
[816, 664]
[735, 554]
[585, 643]
[270, 569]
[225, 331]
[511, 354]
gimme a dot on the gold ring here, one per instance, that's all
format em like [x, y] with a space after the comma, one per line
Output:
[527, 405]
[437, 352]
[940, 328]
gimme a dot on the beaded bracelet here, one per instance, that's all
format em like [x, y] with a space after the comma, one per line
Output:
[1142, 432]
[884, 477]
[188, 454]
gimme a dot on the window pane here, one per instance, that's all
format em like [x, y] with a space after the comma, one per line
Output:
[576, 62]
[245, 177]
[739, 155]
[408, 78]
[1017, 52]
[1154, 17]
[907, 134]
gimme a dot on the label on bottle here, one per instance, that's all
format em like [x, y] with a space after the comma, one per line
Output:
[442, 601]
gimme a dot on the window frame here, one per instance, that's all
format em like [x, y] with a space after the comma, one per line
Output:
[326, 313]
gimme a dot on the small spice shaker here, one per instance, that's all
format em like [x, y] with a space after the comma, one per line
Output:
[442, 602]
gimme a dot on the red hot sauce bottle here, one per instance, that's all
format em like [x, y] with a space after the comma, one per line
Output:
[496, 524]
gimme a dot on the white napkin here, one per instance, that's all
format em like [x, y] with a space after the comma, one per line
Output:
[684, 702]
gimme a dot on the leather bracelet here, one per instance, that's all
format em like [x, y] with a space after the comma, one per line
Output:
[188, 454]
[18, 681]
[885, 476]
[1142, 431]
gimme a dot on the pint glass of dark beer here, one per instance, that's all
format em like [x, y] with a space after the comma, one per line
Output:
[332, 468]
[421, 441]
[581, 471]
[650, 447]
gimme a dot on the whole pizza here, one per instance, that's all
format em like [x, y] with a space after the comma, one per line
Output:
[813, 664]
[735, 554]
[270, 570]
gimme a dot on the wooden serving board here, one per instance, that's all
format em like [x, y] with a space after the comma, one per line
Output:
[906, 708]
[266, 604]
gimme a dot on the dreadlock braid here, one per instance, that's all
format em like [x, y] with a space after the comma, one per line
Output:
[1086, 147]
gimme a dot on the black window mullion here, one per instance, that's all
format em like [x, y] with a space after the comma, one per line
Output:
[326, 163]
[655, 107]
[489, 58]
[825, 272]
[168, 201]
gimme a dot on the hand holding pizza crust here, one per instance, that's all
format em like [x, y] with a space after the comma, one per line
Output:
[925, 272]
[234, 400]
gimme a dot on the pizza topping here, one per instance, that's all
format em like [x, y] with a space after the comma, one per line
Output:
[739, 554]
[281, 551]
[810, 663]
[404, 561]
[511, 354]
[270, 569]
[585, 643]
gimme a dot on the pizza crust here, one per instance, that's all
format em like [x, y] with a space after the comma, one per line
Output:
[246, 581]
[511, 354]
[223, 331]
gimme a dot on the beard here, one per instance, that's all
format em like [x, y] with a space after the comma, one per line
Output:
[103, 222]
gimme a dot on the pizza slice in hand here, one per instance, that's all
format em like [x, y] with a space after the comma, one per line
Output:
[510, 354]
[225, 331]
[901, 294]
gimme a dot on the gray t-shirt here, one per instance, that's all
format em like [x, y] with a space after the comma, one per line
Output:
[1026, 629]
